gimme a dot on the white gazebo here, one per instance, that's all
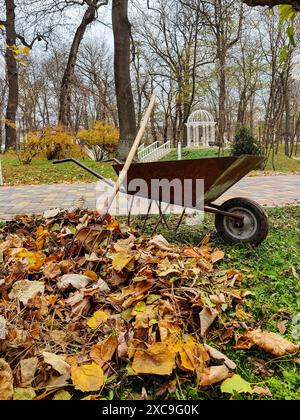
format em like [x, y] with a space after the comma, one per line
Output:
[201, 129]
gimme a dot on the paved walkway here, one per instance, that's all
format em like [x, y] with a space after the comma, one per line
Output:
[268, 191]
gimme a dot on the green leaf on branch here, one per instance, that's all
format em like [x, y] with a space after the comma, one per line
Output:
[291, 34]
[284, 54]
[286, 12]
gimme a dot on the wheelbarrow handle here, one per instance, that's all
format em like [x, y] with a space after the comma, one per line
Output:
[87, 169]
[57, 162]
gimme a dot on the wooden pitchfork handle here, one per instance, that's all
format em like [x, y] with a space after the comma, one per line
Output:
[130, 158]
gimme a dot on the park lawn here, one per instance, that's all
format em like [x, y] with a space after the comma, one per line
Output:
[271, 272]
[42, 171]
[283, 164]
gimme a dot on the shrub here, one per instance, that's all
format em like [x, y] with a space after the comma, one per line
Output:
[101, 139]
[244, 143]
[58, 143]
[29, 148]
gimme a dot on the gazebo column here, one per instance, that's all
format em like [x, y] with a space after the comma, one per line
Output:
[187, 135]
[210, 130]
[213, 132]
[208, 135]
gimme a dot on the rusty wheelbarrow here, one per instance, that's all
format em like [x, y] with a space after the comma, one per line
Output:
[238, 220]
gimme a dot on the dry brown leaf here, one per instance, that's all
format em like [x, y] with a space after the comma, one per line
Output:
[214, 375]
[57, 362]
[91, 274]
[28, 368]
[156, 360]
[264, 392]
[132, 294]
[217, 355]
[6, 381]
[124, 244]
[87, 378]
[76, 281]
[103, 352]
[160, 243]
[217, 256]
[207, 318]
[218, 299]
[295, 274]
[123, 346]
[24, 290]
[52, 270]
[268, 341]
[281, 325]
[3, 328]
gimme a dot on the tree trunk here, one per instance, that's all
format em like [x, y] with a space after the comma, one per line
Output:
[64, 118]
[125, 102]
[222, 100]
[12, 76]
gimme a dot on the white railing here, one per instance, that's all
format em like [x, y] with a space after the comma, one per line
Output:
[154, 152]
[146, 151]
[142, 146]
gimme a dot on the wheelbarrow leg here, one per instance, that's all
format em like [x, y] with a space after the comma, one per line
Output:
[180, 220]
[130, 210]
[160, 220]
[147, 216]
[163, 218]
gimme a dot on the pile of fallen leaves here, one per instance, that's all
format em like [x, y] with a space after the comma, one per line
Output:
[85, 318]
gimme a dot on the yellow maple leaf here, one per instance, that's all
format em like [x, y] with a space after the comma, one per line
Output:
[97, 319]
[122, 260]
[158, 359]
[33, 260]
[41, 235]
[87, 378]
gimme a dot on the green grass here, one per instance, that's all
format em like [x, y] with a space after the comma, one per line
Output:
[268, 272]
[41, 171]
[283, 164]
[188, 154]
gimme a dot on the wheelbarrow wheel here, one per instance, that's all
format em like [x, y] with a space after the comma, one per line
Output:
[252, 230]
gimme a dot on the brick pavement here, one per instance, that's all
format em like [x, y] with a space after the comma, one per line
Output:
[268, 191]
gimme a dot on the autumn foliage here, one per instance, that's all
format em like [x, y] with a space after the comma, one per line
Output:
[83, 319]
[101, 139]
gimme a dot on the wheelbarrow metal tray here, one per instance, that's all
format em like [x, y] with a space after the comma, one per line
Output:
[219, 175]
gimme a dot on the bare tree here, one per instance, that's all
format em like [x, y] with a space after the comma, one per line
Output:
[89, 16]
[12, 74]
[175, 53]
[124, 94]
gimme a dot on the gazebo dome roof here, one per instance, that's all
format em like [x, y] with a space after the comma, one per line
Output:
[200, 116]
